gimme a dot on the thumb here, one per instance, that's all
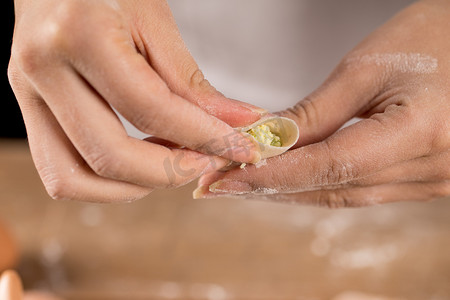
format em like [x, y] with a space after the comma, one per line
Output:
[170, 58]
[345, 94]
[233, 112]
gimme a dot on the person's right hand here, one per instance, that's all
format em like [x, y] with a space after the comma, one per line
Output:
[73, 60]
[397, 82]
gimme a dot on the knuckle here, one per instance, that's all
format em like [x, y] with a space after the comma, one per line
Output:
[14, 78]
[338, 171]
[57, 184]
[334, 199]
[306, 111]
[196, 77]
[59, 190]
[64, 29]
[32, 55]
[105, 163]
[145, 122]
[76, 22]
[72, 15]
[197, 80]
[149, 118]
[26, 56]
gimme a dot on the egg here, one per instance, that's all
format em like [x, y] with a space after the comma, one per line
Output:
[9, 253]
[263, 134]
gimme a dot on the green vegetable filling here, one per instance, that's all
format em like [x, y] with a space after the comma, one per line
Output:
[264, 135]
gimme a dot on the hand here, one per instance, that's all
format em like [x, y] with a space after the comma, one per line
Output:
[73, 60]
[397, 80]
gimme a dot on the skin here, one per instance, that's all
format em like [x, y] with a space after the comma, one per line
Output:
[73, 60]
[10, 286]
[9, 252]
[397, 80]
[11, 289]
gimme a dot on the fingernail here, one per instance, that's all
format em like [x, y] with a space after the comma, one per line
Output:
[255, 109]
[243, 149]
[222, 188]
[261, 111]
[200, 192]
[244, 155]
[230, 187]
[217, 163]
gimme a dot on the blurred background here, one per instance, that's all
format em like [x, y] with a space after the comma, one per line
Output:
[168, 246]
[11, 123]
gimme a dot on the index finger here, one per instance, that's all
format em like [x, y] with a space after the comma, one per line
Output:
[127, 81]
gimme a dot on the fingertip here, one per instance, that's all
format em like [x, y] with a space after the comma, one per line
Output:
[243, 155]
[231, 187]
[200, 192]
[10, 286]
[209, 178]
[222, 187]
[233, 112]
[234, 146]
[255, 111]
[216, 163]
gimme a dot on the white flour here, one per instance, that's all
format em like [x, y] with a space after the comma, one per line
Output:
[402, 62]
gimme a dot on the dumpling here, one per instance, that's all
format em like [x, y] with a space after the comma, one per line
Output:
[273, 135]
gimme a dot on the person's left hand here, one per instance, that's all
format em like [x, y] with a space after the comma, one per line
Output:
[398, 81]
[75, 65]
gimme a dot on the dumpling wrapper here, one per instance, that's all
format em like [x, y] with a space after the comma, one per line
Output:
[285, 128]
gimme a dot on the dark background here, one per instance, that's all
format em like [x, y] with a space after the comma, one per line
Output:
[11, 122]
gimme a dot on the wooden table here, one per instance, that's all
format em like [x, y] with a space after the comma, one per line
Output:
[168, 246]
